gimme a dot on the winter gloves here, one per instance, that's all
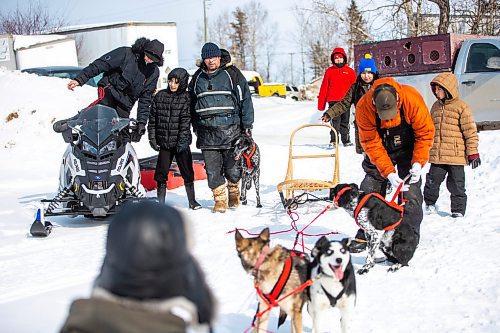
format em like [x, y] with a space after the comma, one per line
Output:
[415, 171]
[141, 128]
[395, 181]
[474, 160]
[154, 145]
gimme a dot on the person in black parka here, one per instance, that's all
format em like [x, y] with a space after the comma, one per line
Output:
[169, 131]
[130, 75]
[222, 110]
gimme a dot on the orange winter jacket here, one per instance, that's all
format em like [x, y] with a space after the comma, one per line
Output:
[416, 114]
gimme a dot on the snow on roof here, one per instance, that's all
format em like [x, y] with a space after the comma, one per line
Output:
[108, 25]
[24, 41]
[249, 75]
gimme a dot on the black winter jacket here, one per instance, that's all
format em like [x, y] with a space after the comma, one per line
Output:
[126, 77]
[170, 118]
[221, 105]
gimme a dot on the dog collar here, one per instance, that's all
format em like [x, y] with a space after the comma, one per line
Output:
[249, 156]
[342, 191]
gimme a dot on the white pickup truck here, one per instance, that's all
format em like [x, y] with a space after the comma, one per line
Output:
[474, 60]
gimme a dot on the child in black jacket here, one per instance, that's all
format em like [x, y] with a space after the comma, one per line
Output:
[170, 133]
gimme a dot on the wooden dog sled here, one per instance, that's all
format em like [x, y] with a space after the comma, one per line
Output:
[288, 187]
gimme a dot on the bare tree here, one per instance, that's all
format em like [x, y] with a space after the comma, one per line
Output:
[239, 37]
[270, 43]
[444, 15]
[481, 16]
[256, 21]
[301, 35]
[219, 30]
[32, 20]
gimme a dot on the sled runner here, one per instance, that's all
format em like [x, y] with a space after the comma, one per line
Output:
[290, 184]
[148, 166]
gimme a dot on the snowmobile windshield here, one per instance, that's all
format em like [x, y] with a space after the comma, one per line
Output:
[98, 123]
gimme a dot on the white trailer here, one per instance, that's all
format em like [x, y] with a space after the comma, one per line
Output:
[95, 40]
[21, 52]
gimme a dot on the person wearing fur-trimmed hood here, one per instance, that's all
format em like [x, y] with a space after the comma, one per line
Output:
[149, 280]
[222, 110]
[130, 75]
[455, 145]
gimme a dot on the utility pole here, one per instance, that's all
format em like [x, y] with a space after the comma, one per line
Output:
[205, 20]
[291, 67]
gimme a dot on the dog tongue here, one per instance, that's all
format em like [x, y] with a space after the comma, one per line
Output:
[339, 273]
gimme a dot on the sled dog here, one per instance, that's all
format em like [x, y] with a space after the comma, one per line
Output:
[248, 153]
[277, 271]
[382, 225]
[334, 286]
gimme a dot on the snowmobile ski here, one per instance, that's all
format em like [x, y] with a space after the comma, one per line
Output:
[40, 227]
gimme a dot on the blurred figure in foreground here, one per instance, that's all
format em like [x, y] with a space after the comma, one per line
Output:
[149, 281]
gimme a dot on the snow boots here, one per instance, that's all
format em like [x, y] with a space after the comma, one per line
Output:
[161, 191]
[234, 194]
[220, 199]
[193, 204]
[358, 244]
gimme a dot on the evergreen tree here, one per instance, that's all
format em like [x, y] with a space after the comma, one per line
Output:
[356, 29]
[239, 37]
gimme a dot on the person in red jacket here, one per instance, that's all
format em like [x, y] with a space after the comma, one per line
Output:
[337, 80]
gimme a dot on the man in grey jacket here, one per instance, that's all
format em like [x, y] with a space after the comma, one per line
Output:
[221, 110]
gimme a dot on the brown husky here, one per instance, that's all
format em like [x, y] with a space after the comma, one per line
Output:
[270, 267]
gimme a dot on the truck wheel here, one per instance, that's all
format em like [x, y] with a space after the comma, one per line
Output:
[276, 95]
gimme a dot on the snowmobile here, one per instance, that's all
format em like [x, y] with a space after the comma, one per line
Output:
[99, 171]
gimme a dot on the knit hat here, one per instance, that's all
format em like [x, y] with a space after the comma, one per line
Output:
[210, 50]
[386, 101]
[367, 65]
[154, 50]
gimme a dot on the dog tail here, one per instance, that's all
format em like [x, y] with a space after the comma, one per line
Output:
[281, 318]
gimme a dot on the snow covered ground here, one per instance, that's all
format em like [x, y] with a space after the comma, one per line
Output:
[451, 285]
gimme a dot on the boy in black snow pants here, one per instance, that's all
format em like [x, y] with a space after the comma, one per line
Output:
[170, 133]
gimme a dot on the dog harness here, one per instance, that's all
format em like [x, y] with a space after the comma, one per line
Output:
[391, 203]
[248, 157]
[363, 201]
[333, 300]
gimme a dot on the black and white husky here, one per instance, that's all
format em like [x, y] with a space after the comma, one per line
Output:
[335, 284]
[247, 151]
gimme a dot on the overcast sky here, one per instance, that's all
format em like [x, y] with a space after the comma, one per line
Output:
[188, 14]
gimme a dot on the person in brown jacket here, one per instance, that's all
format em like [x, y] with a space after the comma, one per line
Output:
[148, 278]
[455, 145]
[395, 129]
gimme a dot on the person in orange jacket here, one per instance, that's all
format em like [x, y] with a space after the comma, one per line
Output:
[395, 129]
[337, 80]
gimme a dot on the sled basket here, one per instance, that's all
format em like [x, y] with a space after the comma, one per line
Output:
[290, 185]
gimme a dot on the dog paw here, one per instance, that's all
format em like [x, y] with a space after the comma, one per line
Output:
[244, 202]
[394, 268]
[362, 271]
[259, 206]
